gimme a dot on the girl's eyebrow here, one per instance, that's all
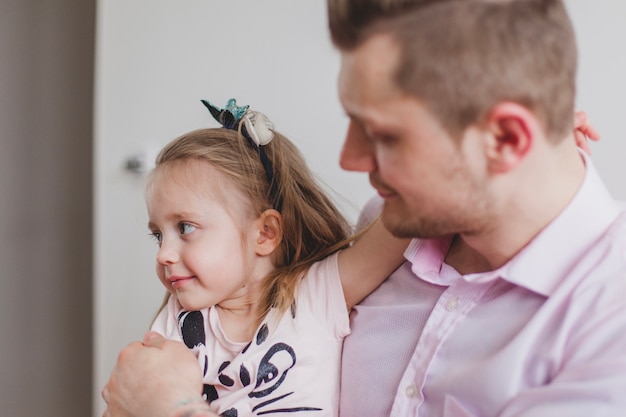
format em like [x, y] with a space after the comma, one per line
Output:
[185, 215]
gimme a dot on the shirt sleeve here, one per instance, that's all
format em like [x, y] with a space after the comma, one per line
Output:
[591, 377]
[165, 323]
[592, 390]
[320, 291]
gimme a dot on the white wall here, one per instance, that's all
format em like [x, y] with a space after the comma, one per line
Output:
[601, 30]
[157, 59]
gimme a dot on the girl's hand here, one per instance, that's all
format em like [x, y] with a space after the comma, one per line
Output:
[583, 131]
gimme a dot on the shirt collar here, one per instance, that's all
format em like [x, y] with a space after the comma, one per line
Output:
[427, 258]
[565, 239]
[542, 265]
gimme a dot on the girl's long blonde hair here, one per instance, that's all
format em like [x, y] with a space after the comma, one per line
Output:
[313, 227]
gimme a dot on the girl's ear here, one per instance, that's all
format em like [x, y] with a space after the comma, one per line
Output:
[270, 232]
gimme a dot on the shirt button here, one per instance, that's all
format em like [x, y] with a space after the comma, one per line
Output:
[452, 305]
[411, 391]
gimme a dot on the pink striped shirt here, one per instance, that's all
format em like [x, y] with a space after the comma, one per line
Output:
[544, 335]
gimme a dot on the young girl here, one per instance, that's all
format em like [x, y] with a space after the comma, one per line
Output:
[259, 267]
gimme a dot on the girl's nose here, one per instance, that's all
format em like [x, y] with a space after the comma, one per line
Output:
[167, 254]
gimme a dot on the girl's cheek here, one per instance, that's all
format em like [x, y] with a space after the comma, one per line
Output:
[160, 271]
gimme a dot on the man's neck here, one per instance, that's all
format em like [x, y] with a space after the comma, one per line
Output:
[528, 208]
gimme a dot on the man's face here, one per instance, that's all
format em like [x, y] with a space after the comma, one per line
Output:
[433, 185]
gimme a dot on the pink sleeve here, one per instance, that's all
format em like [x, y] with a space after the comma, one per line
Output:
[166, 323]
[320, 291]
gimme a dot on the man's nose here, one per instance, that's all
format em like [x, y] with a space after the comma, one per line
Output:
[357, 153]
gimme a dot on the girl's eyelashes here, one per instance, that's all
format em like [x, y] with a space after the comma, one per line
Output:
[185, 228]
[157, 236]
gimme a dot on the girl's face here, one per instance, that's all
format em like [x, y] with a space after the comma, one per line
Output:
[206, 253]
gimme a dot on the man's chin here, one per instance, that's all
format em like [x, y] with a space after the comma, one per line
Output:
[403, 226]
[396, 224]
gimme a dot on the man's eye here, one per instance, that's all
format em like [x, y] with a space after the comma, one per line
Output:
[384, 138]
[185, 228]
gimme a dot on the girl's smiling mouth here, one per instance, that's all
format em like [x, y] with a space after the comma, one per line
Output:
[178, 281]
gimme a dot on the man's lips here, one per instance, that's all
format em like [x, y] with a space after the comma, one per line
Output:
[382, 190]
[386, 194]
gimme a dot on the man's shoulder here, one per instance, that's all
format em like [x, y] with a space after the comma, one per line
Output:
[606, 258]
[616, 232]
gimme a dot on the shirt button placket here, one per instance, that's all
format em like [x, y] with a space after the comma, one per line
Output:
[452, 304]
[411, 391]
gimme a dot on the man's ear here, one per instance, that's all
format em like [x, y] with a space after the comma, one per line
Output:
[513, 130]
[270, 232]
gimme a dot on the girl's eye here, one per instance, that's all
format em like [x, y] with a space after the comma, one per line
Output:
[157, 236]
[185, 228]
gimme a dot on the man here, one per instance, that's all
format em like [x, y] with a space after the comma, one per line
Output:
[461, 113]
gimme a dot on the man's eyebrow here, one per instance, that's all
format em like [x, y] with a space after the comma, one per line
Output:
[370, 124]
[361, 120]
[353, 117]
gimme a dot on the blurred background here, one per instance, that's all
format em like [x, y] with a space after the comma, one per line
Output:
[88, 88]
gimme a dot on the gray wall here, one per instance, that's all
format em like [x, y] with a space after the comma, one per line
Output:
[46, 78]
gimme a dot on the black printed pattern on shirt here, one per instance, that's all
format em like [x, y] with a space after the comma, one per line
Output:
[272, 373]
